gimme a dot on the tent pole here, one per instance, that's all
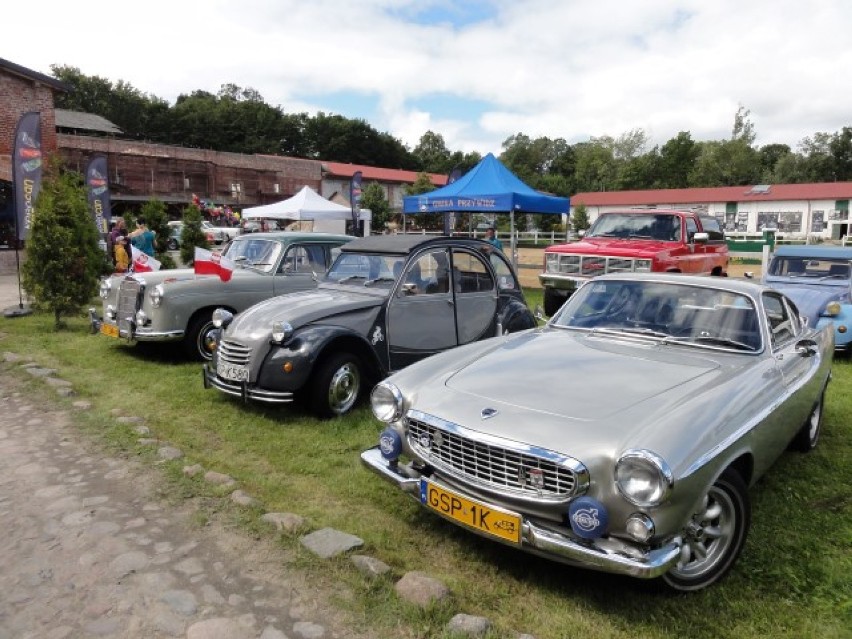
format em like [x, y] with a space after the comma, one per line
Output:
[512, 240]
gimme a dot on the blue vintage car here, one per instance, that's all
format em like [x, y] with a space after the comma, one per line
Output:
[819, 280]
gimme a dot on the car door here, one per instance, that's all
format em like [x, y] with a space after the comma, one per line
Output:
[420, 314]
[475, 296]
[785, 333]
[298, 266]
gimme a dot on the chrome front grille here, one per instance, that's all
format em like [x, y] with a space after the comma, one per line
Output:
[448, 448]
[592, 265]
[232, 352]
[130, 292]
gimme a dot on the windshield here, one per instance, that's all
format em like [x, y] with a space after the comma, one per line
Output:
[674, 313]
[810, 269]
[362, 269]
[663, 227]
[255, 253]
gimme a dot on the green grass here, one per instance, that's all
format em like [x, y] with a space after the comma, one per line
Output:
[792, 581]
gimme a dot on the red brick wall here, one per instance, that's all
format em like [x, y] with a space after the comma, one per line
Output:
[18, 96]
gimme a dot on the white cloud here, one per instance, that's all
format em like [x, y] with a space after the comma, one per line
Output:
[571, 69]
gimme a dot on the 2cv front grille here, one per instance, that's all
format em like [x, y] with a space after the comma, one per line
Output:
[231, 352]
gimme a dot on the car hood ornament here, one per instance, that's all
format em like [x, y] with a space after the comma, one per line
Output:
[488, 413]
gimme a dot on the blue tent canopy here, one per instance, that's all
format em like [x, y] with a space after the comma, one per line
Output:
[489, 187]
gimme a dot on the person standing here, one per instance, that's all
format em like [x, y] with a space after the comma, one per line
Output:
[122, 257]
[491, 238]
[143, 237]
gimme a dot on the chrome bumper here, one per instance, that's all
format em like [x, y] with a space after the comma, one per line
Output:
[243, 390]
[138, 335]
[534, 538]
[561, 282]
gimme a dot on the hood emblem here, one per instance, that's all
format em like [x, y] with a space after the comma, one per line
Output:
[488, 413]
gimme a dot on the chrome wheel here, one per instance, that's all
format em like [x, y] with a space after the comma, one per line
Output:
[344, 388]
[336, 385]
[198, 342]
[714, 537]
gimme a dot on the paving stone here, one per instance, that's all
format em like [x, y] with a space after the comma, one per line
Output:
[181, 601]
[57, 382]
[286, 522]
[370, 566]
[192, 471]
[308, 630]
[242, 498]
[65, 391]
[82, 404]
[128, 419]
[169, 453]
[469, 625]
[328, 542]
[220, 479]
[419, 588]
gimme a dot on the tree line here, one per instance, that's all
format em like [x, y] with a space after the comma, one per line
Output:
[239, 120]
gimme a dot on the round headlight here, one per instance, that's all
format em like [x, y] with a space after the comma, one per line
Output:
[110, 311]
[281, 331]
[222, 317]
[106, 287]
[832, 308]
[141, 318]
[643, 478]
[386, 402]
[156, 295]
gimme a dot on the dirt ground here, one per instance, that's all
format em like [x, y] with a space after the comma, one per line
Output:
[531, 261]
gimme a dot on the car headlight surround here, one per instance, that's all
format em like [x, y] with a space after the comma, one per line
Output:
[110, 312]
[551, 262]
[387, 402]
[222, 317]
[643, 478]
[832, 309]
[642, 266]
[281, 331]
[105, 288]
[141, 318]
[156, 295]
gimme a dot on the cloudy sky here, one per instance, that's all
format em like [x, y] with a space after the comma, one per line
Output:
[475, 71]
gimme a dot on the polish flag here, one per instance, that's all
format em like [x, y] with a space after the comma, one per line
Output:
[142, 262]
[207, 263]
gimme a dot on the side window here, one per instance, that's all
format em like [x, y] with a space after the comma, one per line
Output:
[433, 269]
[303, 259]
[713, 229]
[505, 278]
[691, 229]
[795, 318]
[781, 327]
[470, 274]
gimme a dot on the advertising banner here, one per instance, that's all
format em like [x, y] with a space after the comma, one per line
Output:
[97, 187]
[355, 198]
[26, 171]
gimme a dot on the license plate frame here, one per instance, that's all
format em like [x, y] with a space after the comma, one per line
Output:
[232, 372]
[486, 519]
[110, 330]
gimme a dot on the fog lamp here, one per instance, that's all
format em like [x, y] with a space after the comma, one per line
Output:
[390, 444]
[110, 311]
[588, 517]
[640, 527]
[141, 318]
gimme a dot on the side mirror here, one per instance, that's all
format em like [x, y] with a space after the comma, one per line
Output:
[581, 233]
[701, 238]
[409, 288]
[807, 348]
[749, 275]
[539, 313]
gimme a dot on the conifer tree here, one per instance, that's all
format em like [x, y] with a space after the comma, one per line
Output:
[191, 235]
[64, 259]
[154, 212]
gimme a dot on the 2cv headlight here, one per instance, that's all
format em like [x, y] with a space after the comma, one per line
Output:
[281, 331]
[222, 317]
[832, 309]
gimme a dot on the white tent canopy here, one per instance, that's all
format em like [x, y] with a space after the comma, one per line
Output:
[307, 204]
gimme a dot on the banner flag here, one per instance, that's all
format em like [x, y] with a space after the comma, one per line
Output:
[355, 198]
[142, 262]
[208, 263]
[97, 187]
[27, 168]
[450, 216]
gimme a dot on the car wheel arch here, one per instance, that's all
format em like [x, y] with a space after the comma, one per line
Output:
[197, 320]
[355, 344]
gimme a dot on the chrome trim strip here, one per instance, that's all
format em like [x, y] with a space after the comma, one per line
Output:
[142, 335]
[247, 392]
[644, 565]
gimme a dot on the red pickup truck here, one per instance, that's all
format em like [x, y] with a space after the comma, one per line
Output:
[634, 241]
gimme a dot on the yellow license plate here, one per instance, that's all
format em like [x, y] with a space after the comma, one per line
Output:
[473, 514]
[109, 330]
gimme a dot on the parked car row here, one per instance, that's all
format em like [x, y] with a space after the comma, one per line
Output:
[621, 436]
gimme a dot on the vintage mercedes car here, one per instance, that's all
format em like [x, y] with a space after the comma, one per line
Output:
[818, 279]
[621, 436]
[386, 302]
[177, 305]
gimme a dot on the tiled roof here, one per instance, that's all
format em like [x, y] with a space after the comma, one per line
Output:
[757, 193]
[341, 170]
[84, 121]
[24, 72]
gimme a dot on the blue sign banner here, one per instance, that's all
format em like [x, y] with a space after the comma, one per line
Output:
[27, 167]
[97, 186]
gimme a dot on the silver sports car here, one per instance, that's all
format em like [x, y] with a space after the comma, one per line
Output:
[621, 436]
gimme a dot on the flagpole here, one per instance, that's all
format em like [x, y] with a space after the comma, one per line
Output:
[20, 311]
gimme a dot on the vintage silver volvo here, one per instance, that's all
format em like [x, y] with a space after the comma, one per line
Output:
[176, 305]
[623, 435]
[386, 302]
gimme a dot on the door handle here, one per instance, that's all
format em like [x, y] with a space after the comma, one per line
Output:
[451, 302]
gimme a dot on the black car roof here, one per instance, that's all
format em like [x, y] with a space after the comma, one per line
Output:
[405, 244]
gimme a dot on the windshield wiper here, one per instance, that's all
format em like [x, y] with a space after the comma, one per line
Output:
[714, 340]
[349, 277]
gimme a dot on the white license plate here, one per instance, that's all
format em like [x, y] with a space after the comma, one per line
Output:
[232, 372]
